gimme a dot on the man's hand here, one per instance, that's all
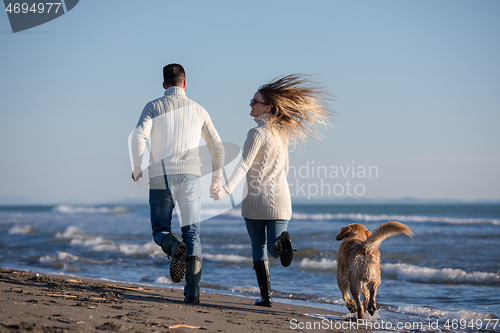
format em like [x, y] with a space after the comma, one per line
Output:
[136, 174]
[215, 189]
[215, 184]
[218, 193]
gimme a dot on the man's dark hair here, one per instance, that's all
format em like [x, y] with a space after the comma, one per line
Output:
[173, 75]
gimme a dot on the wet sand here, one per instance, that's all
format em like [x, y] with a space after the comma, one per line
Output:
[34, 302]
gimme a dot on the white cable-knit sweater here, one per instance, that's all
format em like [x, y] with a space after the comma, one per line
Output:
[176, 125]
[265, 163]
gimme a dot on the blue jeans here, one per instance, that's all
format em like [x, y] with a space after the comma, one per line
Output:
[261, 244]
[183, 189]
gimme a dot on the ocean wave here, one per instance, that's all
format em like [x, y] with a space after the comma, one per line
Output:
[443, 315]
[72, 232]
[323, 264]
[65, 257]
[309, 298]
[164, 280]
[412, 318]
[226, 258]
[141, 250]
[77, 236]
[235, 246]
[443, 275]
[226, 246]
[22, 230]
[252, 290]
[416, 273]
[221, 212]
[65, 209]
[98, 243]
[401, 218]
[248, 290]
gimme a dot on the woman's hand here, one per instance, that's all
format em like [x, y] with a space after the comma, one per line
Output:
[218, 193]
[136, 174]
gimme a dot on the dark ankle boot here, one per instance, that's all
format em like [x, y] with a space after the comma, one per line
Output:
[283, 248]
[175, 249]
[193, 276]
[264, 281]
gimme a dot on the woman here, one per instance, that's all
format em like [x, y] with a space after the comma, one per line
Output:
[287, 111]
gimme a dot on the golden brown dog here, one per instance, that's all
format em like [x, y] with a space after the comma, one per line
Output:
[358, 263]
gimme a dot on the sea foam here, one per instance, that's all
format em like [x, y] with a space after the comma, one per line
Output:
[444, 275]
[66, 257]
[417, 273]
[65, 209]
[443, 315]
[323, 264]
[249, 290]
[78, 237]
[22, 230]
[226, 258]
[400, 218]
[164, 280]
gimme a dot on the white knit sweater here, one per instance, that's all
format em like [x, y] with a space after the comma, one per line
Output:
[176, 125]
[265, 163]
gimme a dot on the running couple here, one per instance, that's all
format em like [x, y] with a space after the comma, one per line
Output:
[287, 111]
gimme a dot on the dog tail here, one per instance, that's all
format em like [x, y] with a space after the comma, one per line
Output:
[384, 231]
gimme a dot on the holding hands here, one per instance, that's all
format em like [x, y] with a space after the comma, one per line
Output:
[217, 192]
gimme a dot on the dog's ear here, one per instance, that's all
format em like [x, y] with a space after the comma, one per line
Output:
[343, 233]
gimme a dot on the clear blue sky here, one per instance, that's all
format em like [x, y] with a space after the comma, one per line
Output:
[417, 86]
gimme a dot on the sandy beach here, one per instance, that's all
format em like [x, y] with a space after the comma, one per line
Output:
[34, 302]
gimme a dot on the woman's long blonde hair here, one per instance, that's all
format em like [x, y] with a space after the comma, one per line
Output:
[300, 109]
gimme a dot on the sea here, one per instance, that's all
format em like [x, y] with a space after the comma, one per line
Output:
[445, 279]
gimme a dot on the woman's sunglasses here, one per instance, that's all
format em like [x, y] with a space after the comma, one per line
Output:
[253, 101]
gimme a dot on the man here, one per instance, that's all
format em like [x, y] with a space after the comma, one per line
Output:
[176, 124]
